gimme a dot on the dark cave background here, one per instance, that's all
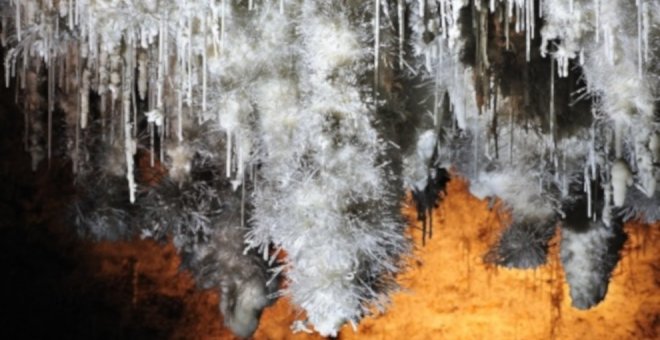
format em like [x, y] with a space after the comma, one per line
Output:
[56, 285]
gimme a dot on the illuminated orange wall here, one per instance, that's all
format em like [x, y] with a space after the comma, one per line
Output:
[452, 294]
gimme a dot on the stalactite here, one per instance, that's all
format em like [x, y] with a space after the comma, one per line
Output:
[402, 29]
[142, 74]
[641, 36]
[18, 20]
[130, 145]
[553, 117]
[376, 28]
[51, 106]
[228, 155]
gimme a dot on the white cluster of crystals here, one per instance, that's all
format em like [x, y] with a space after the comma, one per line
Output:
[282, 83]
[437, 43]
[534, 171]
[610, 41]
[324, 193]
[439, 58]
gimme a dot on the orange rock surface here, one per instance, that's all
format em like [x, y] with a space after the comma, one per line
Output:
[451, 294]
